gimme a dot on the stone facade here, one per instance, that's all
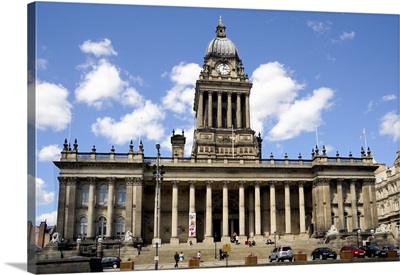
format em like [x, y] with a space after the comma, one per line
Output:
[388, 197]
[225, 186]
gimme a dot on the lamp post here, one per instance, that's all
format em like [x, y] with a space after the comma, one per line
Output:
[215, 243]
[275, 239]
[158, 179]
[358, 234]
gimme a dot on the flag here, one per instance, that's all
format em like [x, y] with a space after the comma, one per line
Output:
[363, 133]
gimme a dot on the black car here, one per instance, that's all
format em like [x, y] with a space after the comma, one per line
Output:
[373, 251]
[110, 262]
[323, 253]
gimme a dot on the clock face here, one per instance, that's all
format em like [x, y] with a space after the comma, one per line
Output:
[223, 69]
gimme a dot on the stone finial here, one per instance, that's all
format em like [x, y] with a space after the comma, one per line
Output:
[131, 146]
[75, 145]
[368, 152]
[316, 150]
[141, 146]
[362, 152]
[65, 148]
[350, 155]
[300, 156]
[112, 149]
[94, 149]
[323, 150]
[337, 154]
[271, 156]
[312, 152]
[173, 132]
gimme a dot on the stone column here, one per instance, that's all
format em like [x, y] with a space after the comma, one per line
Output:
[353, 203]
[200, 110]
[257, 211]
[225, 210]
[110, 207]
[157, 213]
[302, 211]
[229, 111]
[90, 223]
[129, 205]
[327, 204]
[61, 205]
[272, 206]
[209, 109]
[242, 217]
[339, 184]
[247, 111]
[70, 223]
[192, 202]
[251, 213]
[374, 207]
[209, 237]
[219, 110]
[238, 111]
[318, 197]
[288, 225]
[367, 202]
[137, 207]
[174, 216]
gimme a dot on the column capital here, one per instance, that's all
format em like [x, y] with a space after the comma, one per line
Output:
[353, 181]
[220, 93]
[92, 180]
[62, 181]
[110, 180]
[286, 183]
[175, 183]
[368, 182]
[241, 183]
[129, 181]
[72, 181]
[302, 183]
[209, 183]
[138, 181]
[272, 183]
[321, 182]
[257, 183]
[339, 181]
[192, 183]
[225, 183]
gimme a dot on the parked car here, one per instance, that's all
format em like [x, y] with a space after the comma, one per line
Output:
[392, 248]
[373, 251]
[357, 252]
[323, 253]
[112, 262]
[281, 253]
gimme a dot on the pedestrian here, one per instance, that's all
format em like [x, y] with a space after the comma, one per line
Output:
[176, 258]
[181, 258]
[198, 255]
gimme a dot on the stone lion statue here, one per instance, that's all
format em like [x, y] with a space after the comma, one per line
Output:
[128, 236]
[332, 230]
[55, 238]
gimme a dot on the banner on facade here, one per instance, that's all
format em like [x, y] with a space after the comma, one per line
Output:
[192, 224]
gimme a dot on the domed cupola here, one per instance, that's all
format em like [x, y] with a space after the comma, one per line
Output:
[221, 46]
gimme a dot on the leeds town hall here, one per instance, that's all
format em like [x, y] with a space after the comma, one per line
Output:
[225, 186]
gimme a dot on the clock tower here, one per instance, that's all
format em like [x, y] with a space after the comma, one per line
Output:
[222, 104]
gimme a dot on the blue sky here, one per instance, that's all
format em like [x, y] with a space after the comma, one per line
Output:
[127, 72]
[367, 106]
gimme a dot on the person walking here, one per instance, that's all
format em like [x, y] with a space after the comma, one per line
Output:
[181, 258]
[198, 255]
[176, 258]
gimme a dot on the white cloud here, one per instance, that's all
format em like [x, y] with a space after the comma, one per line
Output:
[41, 64]
[49, 153]
[302, 115]
[389, 97]
[347, 35]
[144, 121]
[390, 126]
[52, 107]
[319, 27]
[50, 218]
[131, 97]
[273, 89]
[43, 197]
[100, 85]
[179, 98]
[98, 48]
[369, 107]
[276, 107]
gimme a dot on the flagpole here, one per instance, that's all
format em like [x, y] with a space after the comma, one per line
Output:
[316, 133]
[365, 139]
[70, 125]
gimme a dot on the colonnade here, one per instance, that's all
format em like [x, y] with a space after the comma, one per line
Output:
[205, 106]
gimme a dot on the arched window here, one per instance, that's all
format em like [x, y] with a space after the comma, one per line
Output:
[103, 194]
[120, 227]
[121, 195]
[102, 227]
[85, 195]
[82, 230]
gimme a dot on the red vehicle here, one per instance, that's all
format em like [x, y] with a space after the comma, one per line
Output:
[357, 252]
